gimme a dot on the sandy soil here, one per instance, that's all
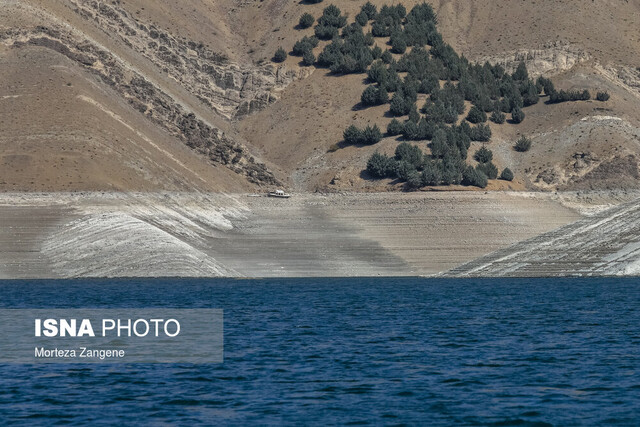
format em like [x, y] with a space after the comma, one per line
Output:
[206, 234]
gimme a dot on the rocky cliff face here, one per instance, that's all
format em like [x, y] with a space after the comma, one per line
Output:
[552, 59]
[625, 77]
[233, 90]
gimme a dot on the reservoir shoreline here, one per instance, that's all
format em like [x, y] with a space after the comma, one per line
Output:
[101, 234]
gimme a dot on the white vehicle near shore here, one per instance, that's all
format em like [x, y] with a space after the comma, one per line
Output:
[279, 194]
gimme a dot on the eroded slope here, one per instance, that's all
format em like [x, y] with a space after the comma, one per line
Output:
[606, 244]
[60, 87]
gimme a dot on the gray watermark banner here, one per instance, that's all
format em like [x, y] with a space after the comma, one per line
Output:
[111, 336]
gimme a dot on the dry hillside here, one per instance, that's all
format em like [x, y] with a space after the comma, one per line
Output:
[147, 95]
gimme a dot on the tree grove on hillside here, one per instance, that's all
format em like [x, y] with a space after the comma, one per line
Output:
[405, 58]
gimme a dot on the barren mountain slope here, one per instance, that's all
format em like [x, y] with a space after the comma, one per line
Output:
[102, 111]
[62, 130]
[197, 73]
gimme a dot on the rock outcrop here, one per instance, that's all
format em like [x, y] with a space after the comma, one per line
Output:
[552, 59]
[611, 168]
[233, 90]
[627, 78]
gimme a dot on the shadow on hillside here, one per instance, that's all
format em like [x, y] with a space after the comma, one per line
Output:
[329, 73]
[302, 64]
[360, 106]
[365, 175]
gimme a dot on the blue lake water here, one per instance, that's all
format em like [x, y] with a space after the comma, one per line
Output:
[354, 351]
